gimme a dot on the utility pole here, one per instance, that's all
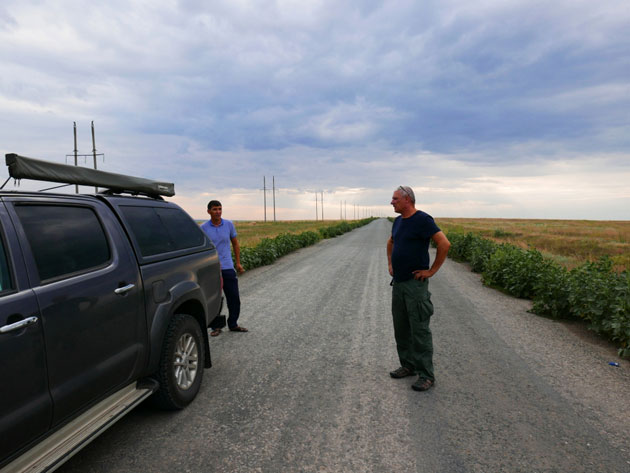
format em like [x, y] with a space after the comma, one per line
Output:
[316, 210]
[265, 197]
[322, 206]
[94, 151]
[76, 151]
[274, 197]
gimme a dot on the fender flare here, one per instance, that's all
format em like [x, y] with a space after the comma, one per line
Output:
[186, 292]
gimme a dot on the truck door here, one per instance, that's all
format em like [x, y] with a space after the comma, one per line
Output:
[25, 404]
[89, 293]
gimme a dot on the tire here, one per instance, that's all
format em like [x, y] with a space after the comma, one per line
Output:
[181, 364]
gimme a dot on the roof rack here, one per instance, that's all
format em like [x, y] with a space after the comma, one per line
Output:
[21, 167]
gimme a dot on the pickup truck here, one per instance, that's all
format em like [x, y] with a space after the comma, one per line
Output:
[105, 300]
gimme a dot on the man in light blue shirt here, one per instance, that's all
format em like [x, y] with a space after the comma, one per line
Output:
[222, 233]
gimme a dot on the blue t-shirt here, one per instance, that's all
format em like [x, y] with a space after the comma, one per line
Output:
[221, 235]
[411, 244]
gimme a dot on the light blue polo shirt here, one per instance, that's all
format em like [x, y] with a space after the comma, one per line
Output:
[221, 235]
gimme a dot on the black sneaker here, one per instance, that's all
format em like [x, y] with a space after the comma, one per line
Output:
[422, 384]
[401, 372]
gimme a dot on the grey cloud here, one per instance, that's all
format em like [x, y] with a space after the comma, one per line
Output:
[243, 89]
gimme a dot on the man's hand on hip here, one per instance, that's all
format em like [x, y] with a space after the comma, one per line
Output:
[421, 274]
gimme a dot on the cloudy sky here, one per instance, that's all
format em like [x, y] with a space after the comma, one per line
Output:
[503, 108]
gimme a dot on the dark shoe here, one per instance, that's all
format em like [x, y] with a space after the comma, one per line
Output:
[238, 329]
[401, 372]
[215, 332]
[422, 384]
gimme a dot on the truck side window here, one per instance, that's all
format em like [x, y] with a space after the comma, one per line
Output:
[5, 275]
[65, 240]
[160, 230]
[181, 228]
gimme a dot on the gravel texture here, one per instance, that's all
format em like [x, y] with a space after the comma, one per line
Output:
[308, 390]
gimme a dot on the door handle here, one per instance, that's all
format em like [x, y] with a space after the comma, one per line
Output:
[18, 325]
[124, 290]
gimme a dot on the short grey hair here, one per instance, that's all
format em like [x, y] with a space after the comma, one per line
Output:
[407, 191]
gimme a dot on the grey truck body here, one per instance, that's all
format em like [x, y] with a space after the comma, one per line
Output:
[93, 290]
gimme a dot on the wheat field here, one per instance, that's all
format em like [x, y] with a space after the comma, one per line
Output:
[570, 242]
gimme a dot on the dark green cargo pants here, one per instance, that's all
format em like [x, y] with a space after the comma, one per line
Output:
[412, 310]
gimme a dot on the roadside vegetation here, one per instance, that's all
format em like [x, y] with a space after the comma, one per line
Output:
[263, 243]
[569, 269]
[250, 233]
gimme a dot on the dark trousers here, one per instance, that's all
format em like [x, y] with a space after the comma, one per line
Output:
[412, 310]
[230, 289]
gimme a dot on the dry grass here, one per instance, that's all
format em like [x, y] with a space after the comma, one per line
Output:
[251, 232]
[570, 242]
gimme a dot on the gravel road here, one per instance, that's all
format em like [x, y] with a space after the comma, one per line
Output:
[308, 390]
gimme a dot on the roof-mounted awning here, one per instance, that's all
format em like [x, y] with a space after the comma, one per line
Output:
[21, 167]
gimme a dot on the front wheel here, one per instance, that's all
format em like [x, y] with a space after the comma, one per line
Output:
[181, 364]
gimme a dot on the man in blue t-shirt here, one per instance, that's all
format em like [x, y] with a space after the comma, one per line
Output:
[222, 232]
[408, 258]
